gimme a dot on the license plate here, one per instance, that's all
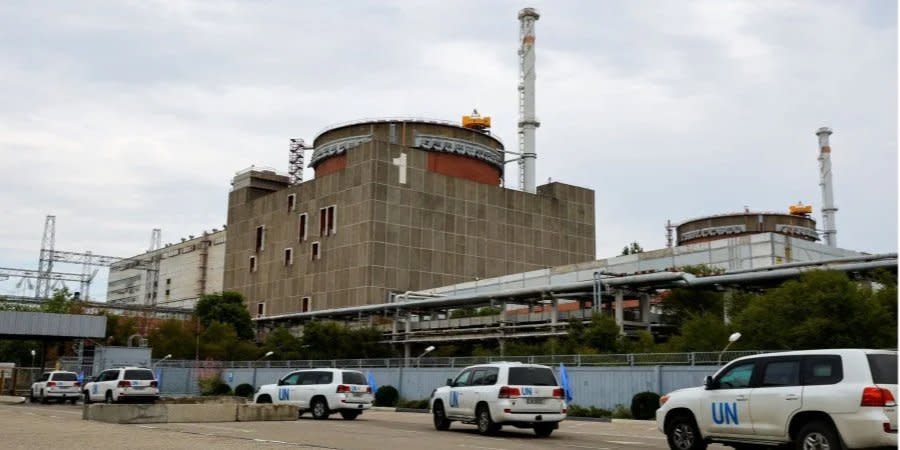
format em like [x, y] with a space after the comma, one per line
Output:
[357, 394]
[534, 401]
[139, 387]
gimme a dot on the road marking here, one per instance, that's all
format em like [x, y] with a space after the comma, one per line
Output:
[147, 426]
[478, 446]
[626, 443]
[214, 427]
[619, 435]
[584, 446]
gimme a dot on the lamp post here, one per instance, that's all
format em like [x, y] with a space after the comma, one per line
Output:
[731, 340]
[268, 354]
[427, 351]
[163, 359]
[32, 357]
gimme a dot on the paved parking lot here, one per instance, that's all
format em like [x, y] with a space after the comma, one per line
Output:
[34, 426]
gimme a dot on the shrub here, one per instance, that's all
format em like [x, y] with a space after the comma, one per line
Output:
[244, 390]
[593, 411]
[644, 405]
[413, 404]
[621, 412]
[387, 396]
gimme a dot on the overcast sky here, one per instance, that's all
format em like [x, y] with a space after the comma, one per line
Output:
[119, 117]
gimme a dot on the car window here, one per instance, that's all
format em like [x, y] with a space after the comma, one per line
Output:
[477, 377]
[737, 377]
[884, 368]
[325, 378]
[826, 369]
[292, 379]
[142, 374]
[462, 379]
[309, 378]
[64, 376]
[353, 378]
[531, 376]
[490, 376]
[44, 377]
[781, 373]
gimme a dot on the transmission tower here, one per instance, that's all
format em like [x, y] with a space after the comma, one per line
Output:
[45, 263]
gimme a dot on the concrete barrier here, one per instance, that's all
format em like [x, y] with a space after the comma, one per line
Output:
[259, 413]
[11, 400]
[187, 413]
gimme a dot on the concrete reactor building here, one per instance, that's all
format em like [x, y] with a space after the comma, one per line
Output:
[396, 206]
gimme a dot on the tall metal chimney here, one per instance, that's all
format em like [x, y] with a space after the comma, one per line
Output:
[527, 121]
[828, 208]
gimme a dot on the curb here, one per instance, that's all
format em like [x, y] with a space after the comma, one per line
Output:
[634, 421]
[591, 419]
[11, 400]
[412, 410]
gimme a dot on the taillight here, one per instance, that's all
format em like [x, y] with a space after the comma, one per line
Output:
[77, 384]
[559, 393]
[343, 388]
[124, 384]
[369, 389]
[876, 396]
[663, 399]
[51, 383]
[509, 392]
[154, 383]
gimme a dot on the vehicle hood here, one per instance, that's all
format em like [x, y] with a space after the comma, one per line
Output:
[687, 390]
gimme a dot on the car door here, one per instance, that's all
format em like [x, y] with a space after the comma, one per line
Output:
[473, 392]
[286, 393]
[98, 388]
[725, 409]
[457, 395]
[306, 388]
[324, 387]
[40, 383]
[776, 396]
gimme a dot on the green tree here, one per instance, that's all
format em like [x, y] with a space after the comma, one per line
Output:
[602, 333]
[219, 341]
[173, 337]
[821, 310]
[226, 307]
[61, 302]
[705, 332]
[119, 329]
[681, 304]
[632, 249]
[285, 345]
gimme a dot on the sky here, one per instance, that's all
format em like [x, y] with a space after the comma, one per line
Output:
[120, 117]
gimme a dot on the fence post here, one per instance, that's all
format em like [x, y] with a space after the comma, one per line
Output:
[630, 358]
[691, 358]
[578, 360]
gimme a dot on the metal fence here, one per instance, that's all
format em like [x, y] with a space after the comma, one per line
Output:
[623, 359]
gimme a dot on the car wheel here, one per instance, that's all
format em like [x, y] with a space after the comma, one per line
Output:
[87, 398]
[684, 435]
[818, 436]
[319, 409]
[263, 399]
[486, 424]
[73, 400]
[350, 415]
[544, 429]
[109, 398]
[441, 423]
[44, 399]
[31, 396]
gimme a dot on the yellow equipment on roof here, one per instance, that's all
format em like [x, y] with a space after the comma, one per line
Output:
[476, 122]
[800, 209]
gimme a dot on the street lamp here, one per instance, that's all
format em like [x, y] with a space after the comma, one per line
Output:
[731, 340]
[427, 351]
[32, 357]
[163, 359]
[268, 354]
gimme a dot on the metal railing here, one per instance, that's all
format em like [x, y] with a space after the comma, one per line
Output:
[622, 359]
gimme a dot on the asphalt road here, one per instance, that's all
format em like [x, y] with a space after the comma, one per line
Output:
[34, 426]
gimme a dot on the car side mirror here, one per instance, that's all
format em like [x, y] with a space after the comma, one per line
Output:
[450, 382]
[281, 382]
[709, 383]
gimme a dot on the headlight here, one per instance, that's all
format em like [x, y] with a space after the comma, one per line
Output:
[663, 400]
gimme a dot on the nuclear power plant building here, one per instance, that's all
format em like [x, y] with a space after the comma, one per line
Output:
[395, 206]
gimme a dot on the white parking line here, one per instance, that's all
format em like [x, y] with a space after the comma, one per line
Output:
[478, 446]
[662, 438]
[626, 443]
[585, 446]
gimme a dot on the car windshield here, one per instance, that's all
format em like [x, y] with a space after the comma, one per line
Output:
[531, 376]
[884, 368]
[353, 378]
[65, 377]
[138, 375]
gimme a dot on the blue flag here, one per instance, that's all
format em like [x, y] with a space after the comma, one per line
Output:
[371, 380]
[564, 379]
[159, 376]
[81, 377]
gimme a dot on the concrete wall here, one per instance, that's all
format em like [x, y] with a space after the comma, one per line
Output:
[604, 387]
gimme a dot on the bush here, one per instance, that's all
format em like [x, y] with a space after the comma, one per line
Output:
[593, 411]
[387, 396]
[244, 390]
[644, 405]
[413, 404]
[621, 412]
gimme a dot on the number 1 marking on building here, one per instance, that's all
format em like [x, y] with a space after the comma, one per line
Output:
[400, 162]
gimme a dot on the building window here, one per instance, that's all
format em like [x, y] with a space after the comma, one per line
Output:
[260, 309]
[301, 235]
[253, 264]
[260, 237]
[168, 281]
[291, 201]
[167, 292]
[288, 256]
[327, 223]
[315, 251]
[304, 304]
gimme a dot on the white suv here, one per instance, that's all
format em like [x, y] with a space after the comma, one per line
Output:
[57, 385]
[321, 391]
[503, 393]
[817, 399]
[123, 384]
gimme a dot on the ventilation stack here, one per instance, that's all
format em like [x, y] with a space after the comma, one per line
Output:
[527, 121]
[829, 234]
